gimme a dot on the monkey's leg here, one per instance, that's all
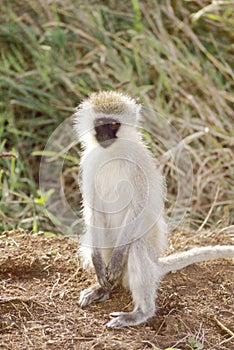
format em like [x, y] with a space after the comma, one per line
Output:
[144, 276]
[95, 292]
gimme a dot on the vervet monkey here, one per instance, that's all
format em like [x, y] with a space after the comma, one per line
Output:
[123, 202]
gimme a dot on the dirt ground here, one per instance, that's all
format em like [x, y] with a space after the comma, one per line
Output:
[40, 281]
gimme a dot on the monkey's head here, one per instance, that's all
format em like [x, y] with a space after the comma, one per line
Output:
[106, 117]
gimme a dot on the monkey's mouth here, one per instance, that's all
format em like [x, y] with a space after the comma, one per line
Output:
[106, 131]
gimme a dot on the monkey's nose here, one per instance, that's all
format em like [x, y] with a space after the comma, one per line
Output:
[105, 135]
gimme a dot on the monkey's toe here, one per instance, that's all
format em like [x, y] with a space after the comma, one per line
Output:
[124, 319]
[120, 321]
[116, 323]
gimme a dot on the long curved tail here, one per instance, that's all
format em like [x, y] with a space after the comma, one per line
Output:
[178, 261]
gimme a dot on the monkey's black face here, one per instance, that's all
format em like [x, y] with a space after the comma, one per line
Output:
[106, 130]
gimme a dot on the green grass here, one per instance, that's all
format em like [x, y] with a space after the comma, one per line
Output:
[175, 56]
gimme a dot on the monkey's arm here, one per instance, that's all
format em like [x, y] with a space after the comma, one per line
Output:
[96, 240]
[115, 266]
[178, 261]
[100, 269]
[129, 233]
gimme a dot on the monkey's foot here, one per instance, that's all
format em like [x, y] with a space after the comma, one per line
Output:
[124, 319]
[96, 292]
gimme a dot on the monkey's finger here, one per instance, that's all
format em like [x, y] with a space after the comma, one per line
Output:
[105, 283]
[113, 276]
[88, 295]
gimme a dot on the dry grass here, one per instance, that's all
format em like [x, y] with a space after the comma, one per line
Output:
[175, 56]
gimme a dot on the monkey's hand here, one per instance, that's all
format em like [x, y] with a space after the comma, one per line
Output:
[113, 273]
[93, 293]
[103, 279]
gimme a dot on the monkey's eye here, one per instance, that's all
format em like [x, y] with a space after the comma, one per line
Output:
[100, 122]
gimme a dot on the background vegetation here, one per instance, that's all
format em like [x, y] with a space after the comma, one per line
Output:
[176, 56]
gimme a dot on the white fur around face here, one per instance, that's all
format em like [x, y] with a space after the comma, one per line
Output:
[112, 105]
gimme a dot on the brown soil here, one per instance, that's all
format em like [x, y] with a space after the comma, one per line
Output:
[40, 283]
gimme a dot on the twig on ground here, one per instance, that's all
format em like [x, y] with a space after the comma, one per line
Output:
[221, 325]
[71, 277]
[17, 298]
[210, 211]
[54, 285]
